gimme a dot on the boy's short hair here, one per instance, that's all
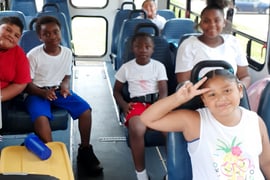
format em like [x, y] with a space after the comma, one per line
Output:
[45, 20]
[13, 20]
[141, 34]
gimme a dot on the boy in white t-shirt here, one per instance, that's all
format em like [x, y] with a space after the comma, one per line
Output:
[50, 67]
[147, 82]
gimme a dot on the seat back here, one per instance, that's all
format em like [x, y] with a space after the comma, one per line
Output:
[126, 31]
[29, 40]
[120, 16]
[65, 31]
[166, 13]
[151, 137]
[161, 53]
[178, 160]
[187, 35]
[27, 7]
[264, 104]
[18, 14]
[255, 91]
[63, 7]
[175, 28]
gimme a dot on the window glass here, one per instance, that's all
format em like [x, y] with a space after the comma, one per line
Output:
[89, 3]
[89, 36]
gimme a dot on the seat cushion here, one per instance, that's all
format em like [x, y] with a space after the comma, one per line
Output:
[19, 122]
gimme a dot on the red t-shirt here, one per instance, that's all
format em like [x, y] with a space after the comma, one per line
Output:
[14, 67]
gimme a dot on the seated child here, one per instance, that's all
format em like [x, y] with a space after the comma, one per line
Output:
[50, 65]
[147, 82]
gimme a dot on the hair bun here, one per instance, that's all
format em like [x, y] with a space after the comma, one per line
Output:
[219, 3]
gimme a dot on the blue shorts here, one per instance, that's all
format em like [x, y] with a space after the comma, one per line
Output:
[38, 106]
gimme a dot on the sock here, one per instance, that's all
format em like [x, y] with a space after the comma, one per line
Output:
[166, 177]
[142, 175]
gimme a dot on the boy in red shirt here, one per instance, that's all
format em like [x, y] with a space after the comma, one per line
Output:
[14, 66]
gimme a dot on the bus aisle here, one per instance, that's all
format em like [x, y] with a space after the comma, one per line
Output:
[108, 136]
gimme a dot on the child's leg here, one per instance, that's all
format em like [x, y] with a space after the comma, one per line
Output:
[136, 130]
[85, 122]
[40, 113]
[79, 108]
[43, 129]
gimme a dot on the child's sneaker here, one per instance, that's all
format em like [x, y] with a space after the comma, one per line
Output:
[87, 160]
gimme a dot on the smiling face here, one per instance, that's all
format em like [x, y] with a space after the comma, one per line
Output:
[151, 9]
[212, 22]
[50, 34]
[224, 95]
[9, 35]
[143, 48]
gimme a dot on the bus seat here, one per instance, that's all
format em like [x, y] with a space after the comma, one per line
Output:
[17, 112]
[119, 18]
[178, 160]
[127, 30]
[175, 28]
[187, 35]
[18, 14]
[264, 104]
[174, 47]
[55, 7]
[166, 13]
[151, 137]
[161, 53]
[63, 7]
[27, 7]
[29, 40]
[254, 92]
[18, 120]
[65, 31]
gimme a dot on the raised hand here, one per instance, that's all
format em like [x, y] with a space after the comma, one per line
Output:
[190, 90]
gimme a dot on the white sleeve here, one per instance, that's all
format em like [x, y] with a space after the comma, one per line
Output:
[162, 75]
[120, 75]
[184, 56]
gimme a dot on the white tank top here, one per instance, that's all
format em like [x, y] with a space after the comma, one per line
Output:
[227, 153]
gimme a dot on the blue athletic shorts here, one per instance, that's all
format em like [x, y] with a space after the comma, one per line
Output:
[38, 106]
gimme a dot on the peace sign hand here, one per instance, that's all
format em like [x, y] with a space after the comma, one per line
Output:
[188, 90]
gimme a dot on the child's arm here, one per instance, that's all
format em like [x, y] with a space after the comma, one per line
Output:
[162, 89]
[44, 93]
[160, 116]
[65, 86]
[265, 155]
[117, 93]
[11, 91]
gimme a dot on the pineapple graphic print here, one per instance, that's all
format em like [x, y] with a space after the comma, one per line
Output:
[231, 163]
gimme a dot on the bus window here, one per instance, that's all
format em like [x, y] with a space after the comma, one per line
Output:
[39, 4]
[138, 4]
[91, 4]
[89, 36]
[253, 37]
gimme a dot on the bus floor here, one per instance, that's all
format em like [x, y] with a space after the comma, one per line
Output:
[92, 82]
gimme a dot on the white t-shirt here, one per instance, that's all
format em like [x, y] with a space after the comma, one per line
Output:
[142, 79]
[47, 70]
[224, 152]
[159, 21]
[192, 51]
